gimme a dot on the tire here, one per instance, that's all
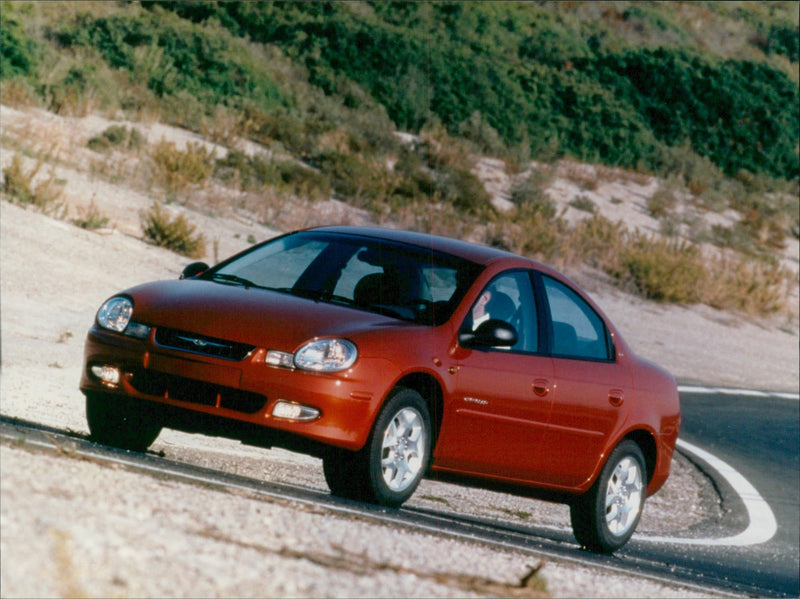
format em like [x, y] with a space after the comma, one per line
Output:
[391, 465]
[346, 474]
[120, 422]
[604, 519]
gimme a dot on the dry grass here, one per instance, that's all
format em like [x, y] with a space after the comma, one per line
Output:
[745, 285]
[26, 188]
[90, 218]
[288, 195]
[174, 233]
[178, 170]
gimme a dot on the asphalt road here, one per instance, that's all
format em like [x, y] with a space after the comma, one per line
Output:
[757, 436]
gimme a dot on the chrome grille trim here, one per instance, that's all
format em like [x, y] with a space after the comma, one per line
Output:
[201, 344]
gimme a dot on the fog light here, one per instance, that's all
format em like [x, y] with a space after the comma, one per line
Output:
[294, 411]
[108, 375]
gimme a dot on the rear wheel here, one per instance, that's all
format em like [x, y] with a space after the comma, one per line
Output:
[120, 422]
[389, 468]
[604, 519]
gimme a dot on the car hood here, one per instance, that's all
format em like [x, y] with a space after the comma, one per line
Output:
[248, 315]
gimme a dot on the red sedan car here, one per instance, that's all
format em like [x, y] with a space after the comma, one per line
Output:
[393, 355]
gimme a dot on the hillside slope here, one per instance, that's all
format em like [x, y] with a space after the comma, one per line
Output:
[696, 343]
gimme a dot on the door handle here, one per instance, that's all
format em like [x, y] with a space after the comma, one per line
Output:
[541, 387]
[616, 397]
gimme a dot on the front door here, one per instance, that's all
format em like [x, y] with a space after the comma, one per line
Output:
[498, 413]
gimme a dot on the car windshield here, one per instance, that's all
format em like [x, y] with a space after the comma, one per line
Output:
[406, 282]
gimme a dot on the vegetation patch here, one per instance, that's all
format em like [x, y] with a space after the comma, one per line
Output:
[117, 136]
[22, 185]
[323, 87]
[174, 233]
[90, 218]
[178, 169]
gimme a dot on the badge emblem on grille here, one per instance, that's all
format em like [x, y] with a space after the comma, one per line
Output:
[200, 343]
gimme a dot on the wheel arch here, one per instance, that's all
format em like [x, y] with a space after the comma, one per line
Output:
[431, 391]
[647, 443]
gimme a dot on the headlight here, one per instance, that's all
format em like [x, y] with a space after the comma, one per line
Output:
[326, 355]
[115, 314]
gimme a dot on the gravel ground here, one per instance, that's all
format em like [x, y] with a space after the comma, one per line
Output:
[75, 528]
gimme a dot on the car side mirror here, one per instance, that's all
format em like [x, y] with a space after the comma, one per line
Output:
[492, 333]
[193, 269]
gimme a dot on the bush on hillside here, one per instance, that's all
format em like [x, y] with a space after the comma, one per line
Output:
[596, 100]
[177, 169]
[117, 136]
[173, 233]
[170, 55]
[19, 54]
[26, 188]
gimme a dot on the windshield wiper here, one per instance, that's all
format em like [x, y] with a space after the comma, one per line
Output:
[318, 295]
[232, 280]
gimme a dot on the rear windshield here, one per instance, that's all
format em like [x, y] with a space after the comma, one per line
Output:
[402, 281]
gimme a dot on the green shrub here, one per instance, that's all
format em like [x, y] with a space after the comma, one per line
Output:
[80, 85]
[529, 196]
[171, 55]
[362, 180]
[483, 136]
[782, 39]
[556, 80]
[19, 54]
[252, 173]
[463, 190]
[662, 203]
[175, 234]
[117, 136]
[584, 203]
[534, 232]
[733, 112]
[177, 169]
[598, 242]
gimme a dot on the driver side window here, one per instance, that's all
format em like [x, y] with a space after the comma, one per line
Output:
[508, 297]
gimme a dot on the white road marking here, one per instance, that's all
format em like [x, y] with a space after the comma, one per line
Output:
[762, 525]
[727, 391]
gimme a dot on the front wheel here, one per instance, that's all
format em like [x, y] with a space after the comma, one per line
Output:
[118, 421]
[604, 519]
[391, 465]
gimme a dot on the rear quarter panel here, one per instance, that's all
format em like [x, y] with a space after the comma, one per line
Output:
[656, 409]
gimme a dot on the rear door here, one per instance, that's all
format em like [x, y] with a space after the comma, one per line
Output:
[593, 389]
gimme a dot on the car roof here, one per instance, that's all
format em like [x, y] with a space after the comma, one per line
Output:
[480, 254]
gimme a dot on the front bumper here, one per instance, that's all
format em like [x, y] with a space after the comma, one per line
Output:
[243, 391]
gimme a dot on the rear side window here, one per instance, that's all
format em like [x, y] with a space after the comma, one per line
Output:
[577, 331]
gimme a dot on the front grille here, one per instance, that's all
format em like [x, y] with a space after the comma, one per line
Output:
[171, 386]
[200, 344]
